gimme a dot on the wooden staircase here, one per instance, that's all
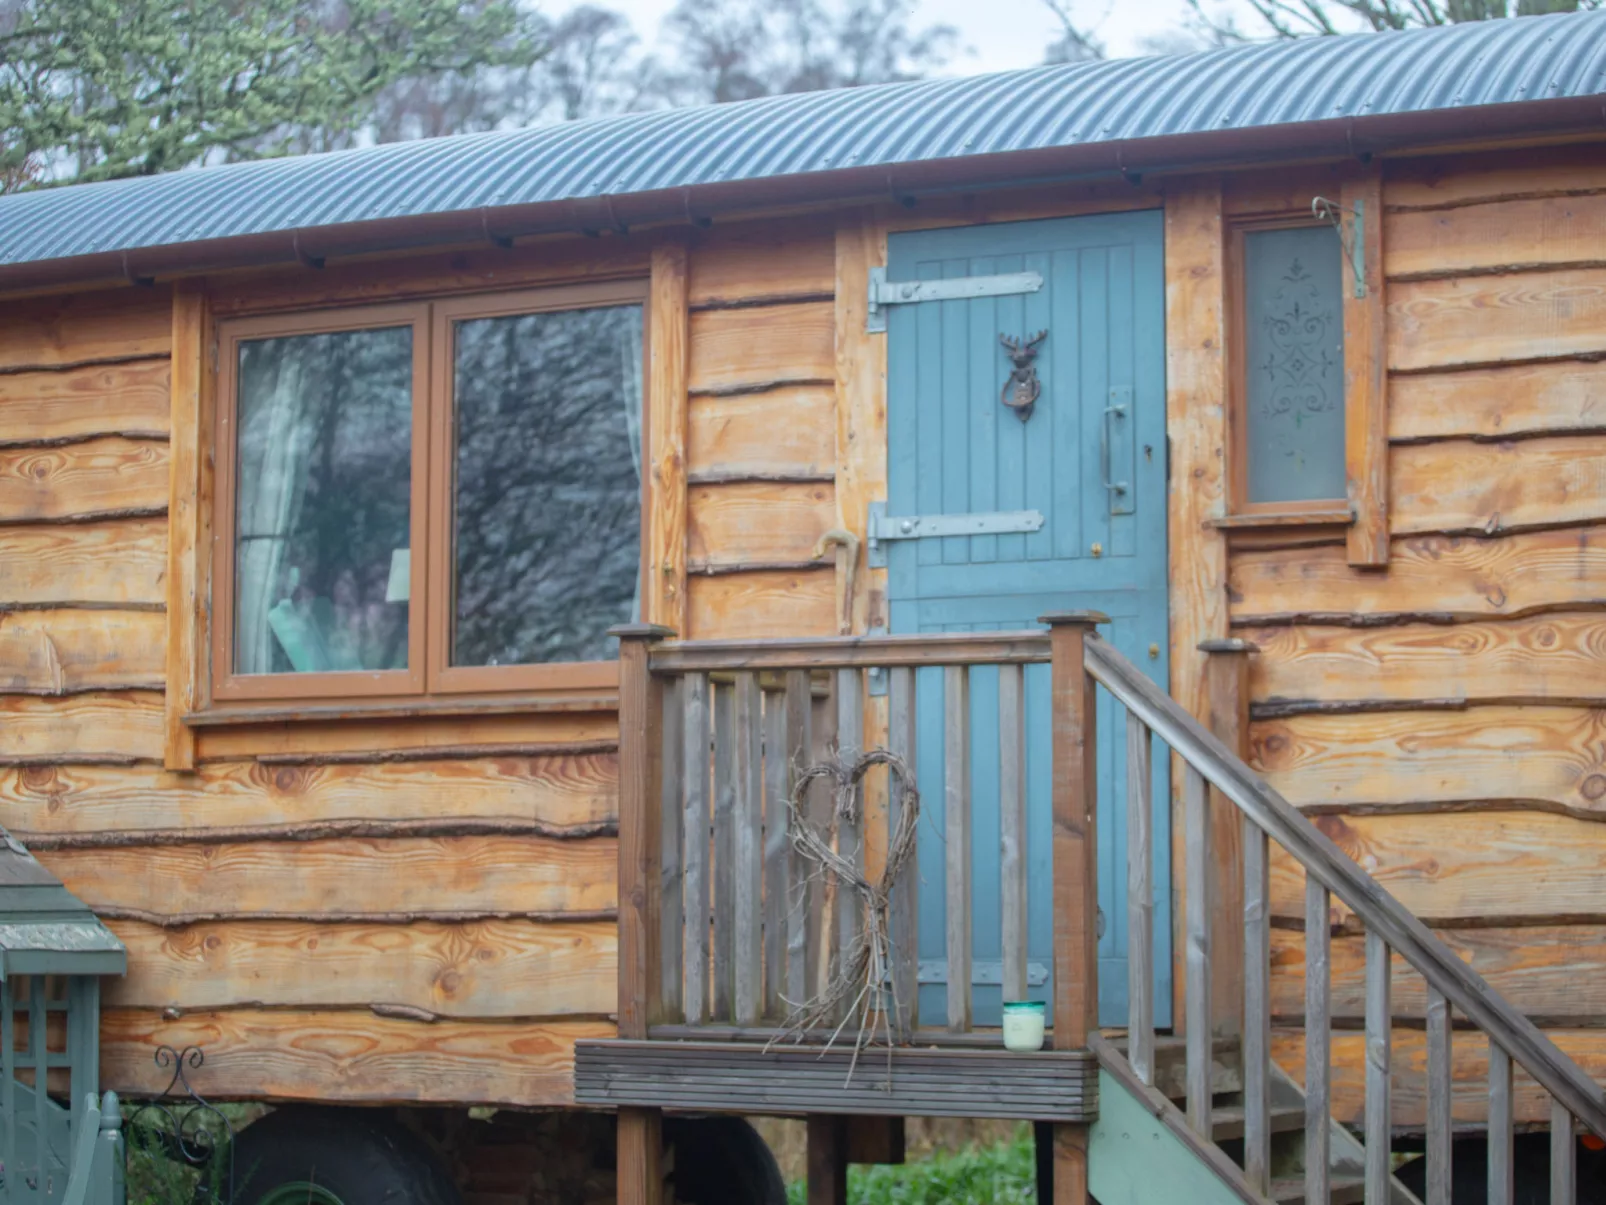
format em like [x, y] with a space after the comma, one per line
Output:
[1228, 1126]
[1283, 1145]
[720, 928]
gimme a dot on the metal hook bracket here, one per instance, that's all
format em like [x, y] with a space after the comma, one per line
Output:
[1354, 243]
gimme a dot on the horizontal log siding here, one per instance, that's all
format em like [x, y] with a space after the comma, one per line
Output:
[362, 909]
[761, 440]
[1444, 720]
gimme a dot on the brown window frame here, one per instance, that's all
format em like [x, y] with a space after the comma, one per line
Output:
[429, 673]
[1364, 508]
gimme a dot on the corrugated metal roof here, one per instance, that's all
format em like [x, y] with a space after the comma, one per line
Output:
[1455, 67]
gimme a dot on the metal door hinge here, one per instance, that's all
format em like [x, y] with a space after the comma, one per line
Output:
[884, 527]
[884, 293]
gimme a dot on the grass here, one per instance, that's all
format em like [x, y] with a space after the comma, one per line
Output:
[999, 1174]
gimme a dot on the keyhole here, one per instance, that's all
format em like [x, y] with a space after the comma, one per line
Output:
[1098, 549]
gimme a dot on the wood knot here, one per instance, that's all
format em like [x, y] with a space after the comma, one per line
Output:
[1594, 787]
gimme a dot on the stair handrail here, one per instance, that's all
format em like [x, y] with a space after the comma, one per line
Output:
[1321, 857]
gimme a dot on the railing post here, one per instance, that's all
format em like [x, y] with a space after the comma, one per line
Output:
[1075, 852]
[1240, 926]
[1227, 717]
[640, 1131]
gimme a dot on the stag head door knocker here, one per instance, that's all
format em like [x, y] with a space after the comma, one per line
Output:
[1022, 388]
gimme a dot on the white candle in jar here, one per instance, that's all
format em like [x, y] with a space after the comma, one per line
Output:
[1023, 1025]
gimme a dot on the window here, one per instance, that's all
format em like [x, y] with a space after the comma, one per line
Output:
[1288, 377]
[440, 497]
[1308, 380]
[1293, 334]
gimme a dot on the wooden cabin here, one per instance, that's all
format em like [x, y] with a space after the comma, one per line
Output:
[324, 481]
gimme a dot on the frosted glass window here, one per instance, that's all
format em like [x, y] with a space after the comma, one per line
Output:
[1294, 364]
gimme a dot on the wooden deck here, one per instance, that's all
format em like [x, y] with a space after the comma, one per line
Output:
[755, 1078]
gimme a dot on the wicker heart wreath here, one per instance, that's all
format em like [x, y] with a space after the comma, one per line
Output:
[855, 991]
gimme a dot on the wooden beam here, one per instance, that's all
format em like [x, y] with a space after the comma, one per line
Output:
[1226, 684]
[828, 1162]
[128, 398]
[188, 517]
[1366, 435]
[787, 1078]
[640, 839]
[640, 1157]
[1074, 807]
[1196, 428]
[664, 600]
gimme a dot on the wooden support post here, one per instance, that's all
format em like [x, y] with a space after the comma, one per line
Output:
[640, 1157]
[1075, 850]
[640, 1131]
[1240, 917]
[1226, 680]
[189, 520]
[828, 1159]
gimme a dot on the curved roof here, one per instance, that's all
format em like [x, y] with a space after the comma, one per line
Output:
[1316, 80]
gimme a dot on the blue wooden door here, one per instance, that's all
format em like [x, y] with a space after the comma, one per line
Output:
[1091, 460]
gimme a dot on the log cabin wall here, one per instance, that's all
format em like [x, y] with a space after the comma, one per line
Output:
[357, 909]
[412, 908]
[1441, 717]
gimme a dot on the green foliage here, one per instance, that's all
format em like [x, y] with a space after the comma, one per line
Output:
[96, 89]
[1300, 18]
[1004, 1174]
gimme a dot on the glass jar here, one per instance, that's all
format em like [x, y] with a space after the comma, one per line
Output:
[1023, 1025]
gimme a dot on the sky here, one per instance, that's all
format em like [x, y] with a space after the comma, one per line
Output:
[1001, 34]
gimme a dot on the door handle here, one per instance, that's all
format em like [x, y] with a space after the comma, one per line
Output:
[1114, 489]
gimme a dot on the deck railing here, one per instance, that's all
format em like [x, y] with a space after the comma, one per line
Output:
[712, 732]
[745, 929]
[1267, 817]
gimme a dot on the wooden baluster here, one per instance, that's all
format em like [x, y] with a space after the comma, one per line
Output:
[1440, 1093]
[777, 853]
[905, 898]
[821, 888]
[694, 766]
[957, 840]
[1139, 899]
[1012, 825]
[724, 839]
[640, 1144]
[850, 835]
[747, 850]
[1074, 805]
[1257, 1007]
[799, 705]
[1379, 1045]
[1196, 990]
[1502, 1166]
[672, 912]
[1563, 1156]
[1318, 1042]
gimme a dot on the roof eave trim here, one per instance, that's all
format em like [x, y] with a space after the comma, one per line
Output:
[1341, 137]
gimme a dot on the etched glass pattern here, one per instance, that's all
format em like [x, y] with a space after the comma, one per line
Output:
[1294, 364]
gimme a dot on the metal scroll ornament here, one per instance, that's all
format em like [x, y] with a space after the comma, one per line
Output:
[1022, 388]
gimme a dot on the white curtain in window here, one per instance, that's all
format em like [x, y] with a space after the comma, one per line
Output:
[275, 440]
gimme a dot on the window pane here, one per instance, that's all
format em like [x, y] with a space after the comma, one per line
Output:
[322, 504]
[1294, 362]
[547, 507]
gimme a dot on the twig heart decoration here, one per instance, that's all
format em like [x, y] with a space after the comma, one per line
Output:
[854, 992]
